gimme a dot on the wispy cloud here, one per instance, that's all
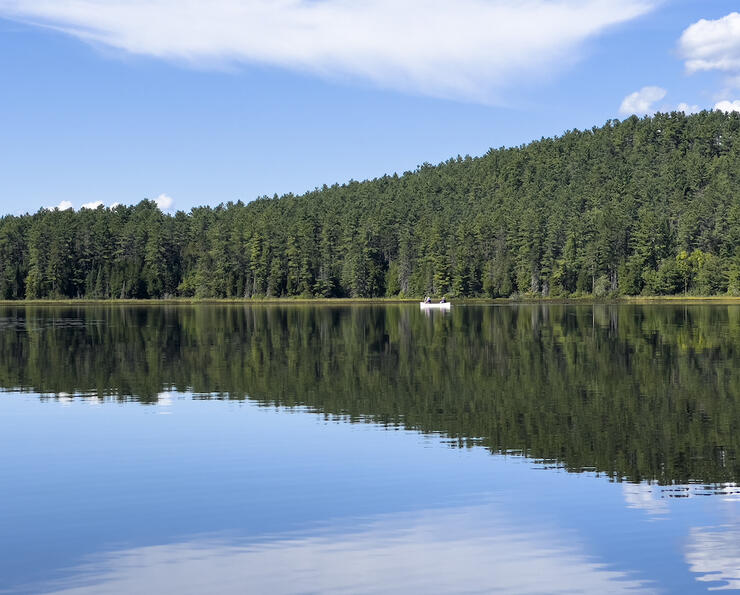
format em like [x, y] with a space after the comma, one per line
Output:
[466, 49]
[642, 101]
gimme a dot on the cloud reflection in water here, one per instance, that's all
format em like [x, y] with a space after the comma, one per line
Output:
[714, 554]
[644, 496]
[470, 549]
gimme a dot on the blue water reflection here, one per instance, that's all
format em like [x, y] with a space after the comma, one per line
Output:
[195, 496]
[466, 549]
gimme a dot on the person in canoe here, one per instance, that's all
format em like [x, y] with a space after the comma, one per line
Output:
[427, 300]
[443, 301]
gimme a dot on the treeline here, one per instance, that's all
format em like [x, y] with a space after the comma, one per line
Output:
[631, 391]
[642, 206]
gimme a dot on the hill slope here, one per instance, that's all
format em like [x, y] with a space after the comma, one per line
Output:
[646, 205]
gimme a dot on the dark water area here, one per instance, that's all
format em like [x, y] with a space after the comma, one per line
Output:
[369, 449]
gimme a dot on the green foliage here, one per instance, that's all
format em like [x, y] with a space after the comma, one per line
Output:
[642, 206]
[602, 287]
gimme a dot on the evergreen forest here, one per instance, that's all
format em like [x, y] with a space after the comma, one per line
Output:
[643, 206]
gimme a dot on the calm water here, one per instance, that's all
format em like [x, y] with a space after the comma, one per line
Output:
[369, 449]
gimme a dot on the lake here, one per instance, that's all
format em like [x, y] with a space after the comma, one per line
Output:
[369, 449]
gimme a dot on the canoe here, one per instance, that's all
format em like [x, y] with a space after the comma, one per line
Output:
[437, 306]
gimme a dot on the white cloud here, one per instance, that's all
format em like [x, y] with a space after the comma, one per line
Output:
[712, 45]
[641, 102]
[164, 202]
[62, 206]
[688, 109]
[466, 49]
[92, 205]
[728, 106]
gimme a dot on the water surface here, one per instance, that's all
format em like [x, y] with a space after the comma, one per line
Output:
[347, 449]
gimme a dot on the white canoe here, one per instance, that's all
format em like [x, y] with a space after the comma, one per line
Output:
[437, 306]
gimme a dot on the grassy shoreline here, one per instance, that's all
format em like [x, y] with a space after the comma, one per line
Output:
[583, 300]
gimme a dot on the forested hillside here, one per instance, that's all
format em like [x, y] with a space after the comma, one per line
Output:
[642, 206]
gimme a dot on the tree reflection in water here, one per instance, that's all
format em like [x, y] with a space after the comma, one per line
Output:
[637, 392]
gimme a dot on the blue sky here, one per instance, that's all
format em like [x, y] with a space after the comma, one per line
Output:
[207, 102]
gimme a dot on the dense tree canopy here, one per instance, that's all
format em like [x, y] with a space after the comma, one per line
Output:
[641, 206]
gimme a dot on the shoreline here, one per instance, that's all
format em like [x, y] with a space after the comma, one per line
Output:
[585, 300]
